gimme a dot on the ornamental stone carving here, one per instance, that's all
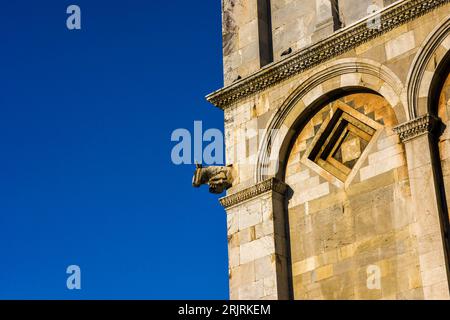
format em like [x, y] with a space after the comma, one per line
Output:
[331, 47]
[426, 124]
[218, 178]
[271, 184]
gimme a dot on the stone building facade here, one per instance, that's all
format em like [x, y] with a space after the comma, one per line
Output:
[336, 129]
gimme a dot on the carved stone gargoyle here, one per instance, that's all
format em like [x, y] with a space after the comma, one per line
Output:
[218, 178]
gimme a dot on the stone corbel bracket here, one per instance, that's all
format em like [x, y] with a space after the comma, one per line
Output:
[271, 184]
[427, 124]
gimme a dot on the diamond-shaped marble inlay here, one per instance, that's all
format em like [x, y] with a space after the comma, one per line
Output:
[350, 148]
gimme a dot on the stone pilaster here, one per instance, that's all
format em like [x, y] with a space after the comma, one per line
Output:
[257, 242]
[324, 20]
[430, 217]
[247, 37]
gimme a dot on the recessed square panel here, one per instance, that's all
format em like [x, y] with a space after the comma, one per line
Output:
[341, 143]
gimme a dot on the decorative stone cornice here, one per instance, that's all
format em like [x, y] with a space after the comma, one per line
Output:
[426, 124]
[271, 184]
[335, 45]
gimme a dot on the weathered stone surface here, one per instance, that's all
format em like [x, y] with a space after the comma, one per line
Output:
[374, 232]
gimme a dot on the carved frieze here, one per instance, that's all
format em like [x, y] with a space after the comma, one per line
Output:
[272, 184]
[333, 46]
[417, 127]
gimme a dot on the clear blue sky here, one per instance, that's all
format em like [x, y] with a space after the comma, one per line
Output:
[86, 176]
